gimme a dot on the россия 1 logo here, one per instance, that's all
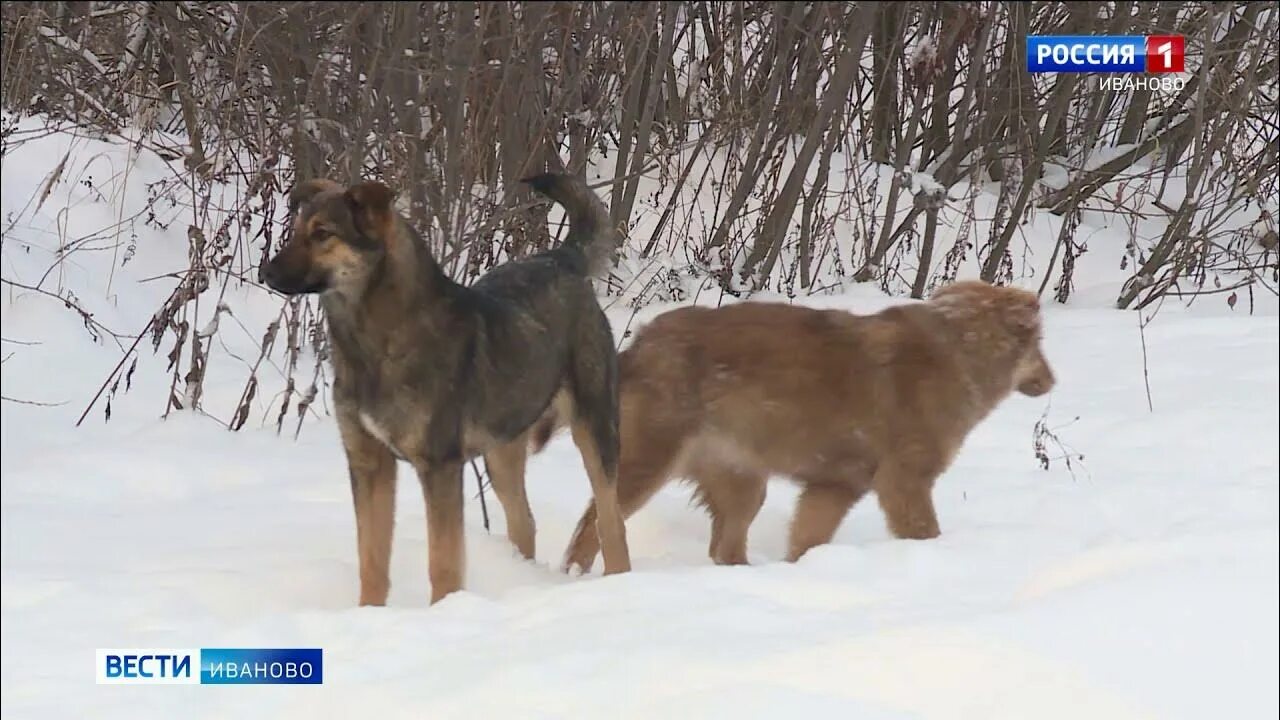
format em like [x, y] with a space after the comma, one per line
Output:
[1105, 53]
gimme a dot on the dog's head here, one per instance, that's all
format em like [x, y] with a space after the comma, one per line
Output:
[1033, 377]
[1011, 326]
[339, 235]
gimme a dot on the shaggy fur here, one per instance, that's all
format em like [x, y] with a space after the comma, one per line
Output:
[840, 403]
[436, 373]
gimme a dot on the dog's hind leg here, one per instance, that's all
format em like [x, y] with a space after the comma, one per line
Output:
[594, 394]
[649, 454]
[603, 472]
[373, 490]
[506, 465]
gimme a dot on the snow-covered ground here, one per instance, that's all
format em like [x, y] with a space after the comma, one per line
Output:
[1142, 583]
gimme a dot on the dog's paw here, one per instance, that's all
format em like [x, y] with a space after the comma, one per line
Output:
[570, 566]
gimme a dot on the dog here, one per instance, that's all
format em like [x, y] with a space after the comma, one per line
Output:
[838, 402]
[435, 373]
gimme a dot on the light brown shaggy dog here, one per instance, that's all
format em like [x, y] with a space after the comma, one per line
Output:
[838, 402]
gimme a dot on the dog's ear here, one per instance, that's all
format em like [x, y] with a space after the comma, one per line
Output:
[370, 204]
[304, 191]
[1022, 314]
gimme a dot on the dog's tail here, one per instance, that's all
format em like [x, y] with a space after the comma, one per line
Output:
[590, 229]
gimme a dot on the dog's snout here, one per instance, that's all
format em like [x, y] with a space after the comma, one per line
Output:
[1037, 385]
[1034, 388]
[269, 273]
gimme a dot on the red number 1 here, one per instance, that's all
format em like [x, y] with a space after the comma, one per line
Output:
[1165, 53]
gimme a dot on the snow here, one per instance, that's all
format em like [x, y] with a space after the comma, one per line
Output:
[1054, 177]
[1142, 583]
[73, 47]
[924, 182]
[925, 53]
[1105, 155]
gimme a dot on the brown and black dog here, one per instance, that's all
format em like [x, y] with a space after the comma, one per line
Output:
[838, 402]
[435, 373]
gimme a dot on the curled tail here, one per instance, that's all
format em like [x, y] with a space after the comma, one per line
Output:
[590, 229]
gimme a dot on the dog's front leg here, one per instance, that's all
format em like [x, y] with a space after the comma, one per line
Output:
[373, 490]
[442, 489]
[904, 487]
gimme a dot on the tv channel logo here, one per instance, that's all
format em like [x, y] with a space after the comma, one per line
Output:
[210, 666]
[148, 666]
[1106, 53]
